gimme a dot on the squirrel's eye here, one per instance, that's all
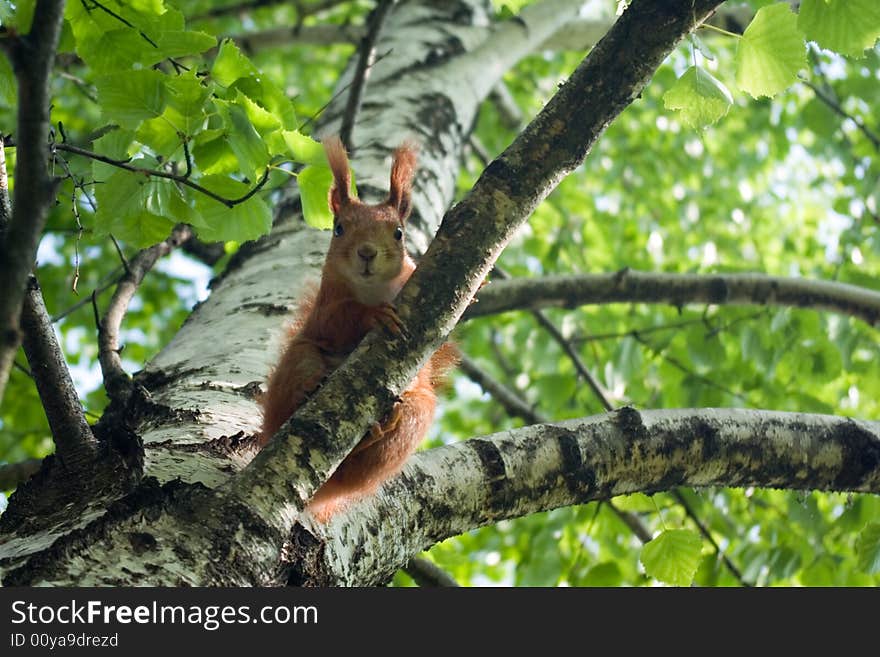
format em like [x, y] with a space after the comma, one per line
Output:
[338, 230]
[398, 233]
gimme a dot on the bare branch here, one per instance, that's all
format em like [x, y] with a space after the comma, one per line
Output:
[452, 489]
[836, 107]
[427, 574]
[511, 402]
[116, 380]
[74, 442]
[32, 58]
[366, 59]
[630, 286]
[12, 474]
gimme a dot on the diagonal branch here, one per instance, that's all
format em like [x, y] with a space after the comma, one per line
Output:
[630, 286]
[74, 442]
[284, 474]
[446, 491]
[32, 57]
[116, 380]
[366, 59]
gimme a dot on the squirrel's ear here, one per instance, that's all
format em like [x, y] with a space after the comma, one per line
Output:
[403, 167]
[339, 194]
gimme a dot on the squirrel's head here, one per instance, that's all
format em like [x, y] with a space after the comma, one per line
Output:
[368, 245]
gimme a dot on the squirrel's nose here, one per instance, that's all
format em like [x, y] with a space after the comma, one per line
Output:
[366, 252]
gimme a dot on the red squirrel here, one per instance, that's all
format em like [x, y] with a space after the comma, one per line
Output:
[366, 266]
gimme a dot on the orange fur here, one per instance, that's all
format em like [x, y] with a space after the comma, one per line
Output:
[355, 294]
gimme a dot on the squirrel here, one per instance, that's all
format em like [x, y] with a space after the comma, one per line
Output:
[366, 266]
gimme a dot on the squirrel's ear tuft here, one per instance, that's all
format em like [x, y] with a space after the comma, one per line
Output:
[339, 194]
[403, 168]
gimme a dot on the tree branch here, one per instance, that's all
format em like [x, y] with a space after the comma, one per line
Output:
[469, 240]
[182, 179]
[511, 402]
[32, 57]
[630, 286]
[116, 379]
[366, 58]
[446, 491]
[74, 442]
[427, 574]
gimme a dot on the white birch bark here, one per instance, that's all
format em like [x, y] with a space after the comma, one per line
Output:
[446, 491]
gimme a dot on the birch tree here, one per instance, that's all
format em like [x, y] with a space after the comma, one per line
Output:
[167, 487]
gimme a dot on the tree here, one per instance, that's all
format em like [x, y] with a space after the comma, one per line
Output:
[165, 486]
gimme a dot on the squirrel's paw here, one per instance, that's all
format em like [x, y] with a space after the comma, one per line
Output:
[385, 315]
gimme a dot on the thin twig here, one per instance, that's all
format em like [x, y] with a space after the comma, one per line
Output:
[97, 5]
[108, 282]
[572, 353]
[183, 180]
[366, 59]
[835, 107]
[116, 380]
[677, 364]
[511, 402]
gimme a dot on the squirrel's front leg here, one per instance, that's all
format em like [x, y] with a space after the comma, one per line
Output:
[384, 315]
[300, 370]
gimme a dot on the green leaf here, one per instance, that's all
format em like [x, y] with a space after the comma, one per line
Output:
[230, 64]
[131, 97]
[699, 98]
[770, 52]
[17, 16]
[135, 208]
[868, 549]
[603, 574]
[314, 184]
[304, 149]
[242, 222]
[213, 156]
[846, 26]
[243, 138]
[264, 122]
[673, 557]
[186, 97]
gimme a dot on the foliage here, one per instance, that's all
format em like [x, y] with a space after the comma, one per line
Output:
[691, 178]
